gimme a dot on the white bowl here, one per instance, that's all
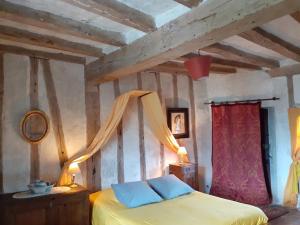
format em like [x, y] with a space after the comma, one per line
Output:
[39, 189]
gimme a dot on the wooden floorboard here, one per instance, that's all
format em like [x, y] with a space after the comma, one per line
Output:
[292, 218]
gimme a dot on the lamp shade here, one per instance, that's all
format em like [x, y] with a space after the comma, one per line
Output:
[198, 66]
[74, 168]
[182, 151]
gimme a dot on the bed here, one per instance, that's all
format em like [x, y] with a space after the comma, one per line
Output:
[192, 209]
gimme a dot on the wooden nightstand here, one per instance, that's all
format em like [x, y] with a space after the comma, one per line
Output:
[69, 208]
[185, 172]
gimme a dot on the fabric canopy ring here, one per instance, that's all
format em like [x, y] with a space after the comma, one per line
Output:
[154, 114]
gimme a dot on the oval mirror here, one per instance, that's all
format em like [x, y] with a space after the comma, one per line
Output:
[34, 126]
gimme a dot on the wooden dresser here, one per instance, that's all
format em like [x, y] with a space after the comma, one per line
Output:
[185, 172]
[69, 208]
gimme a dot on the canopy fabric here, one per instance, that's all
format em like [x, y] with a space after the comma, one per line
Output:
[292, 188]
[154, 114]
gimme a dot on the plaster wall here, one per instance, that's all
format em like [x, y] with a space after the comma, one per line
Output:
[174, 91]
[69, 85]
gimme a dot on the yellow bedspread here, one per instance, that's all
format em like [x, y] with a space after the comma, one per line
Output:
[193, 209]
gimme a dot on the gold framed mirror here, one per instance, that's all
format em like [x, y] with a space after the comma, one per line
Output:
[34, 126]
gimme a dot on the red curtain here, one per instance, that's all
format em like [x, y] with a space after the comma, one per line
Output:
[237, 159]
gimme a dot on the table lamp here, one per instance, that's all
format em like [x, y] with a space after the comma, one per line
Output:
[181, 153]
[73, 170]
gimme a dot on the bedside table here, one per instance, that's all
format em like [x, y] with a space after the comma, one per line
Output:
[68, 208]
[185, 172]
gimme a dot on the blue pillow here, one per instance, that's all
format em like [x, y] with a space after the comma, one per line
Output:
[170, 186]
[134, 194]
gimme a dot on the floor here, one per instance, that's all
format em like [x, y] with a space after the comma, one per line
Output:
[292, 218]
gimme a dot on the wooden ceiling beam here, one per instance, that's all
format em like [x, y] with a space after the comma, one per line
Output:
[285, 71]
[23, 36]
[224, 62]
[270, 41]
[45, 20]
[118, 12]
[42, 54]
[222, 70]
[235, 54]
[296, 16]
[202, 26]
[241, 65]
[173, 67]
[169, 67]
[189, 3]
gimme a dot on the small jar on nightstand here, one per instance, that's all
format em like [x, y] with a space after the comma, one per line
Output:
[185, 172]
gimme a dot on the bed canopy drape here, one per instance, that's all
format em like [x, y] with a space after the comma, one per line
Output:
[292, 188]
[154, 114]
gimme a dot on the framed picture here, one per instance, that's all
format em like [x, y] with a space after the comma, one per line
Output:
[178, 122]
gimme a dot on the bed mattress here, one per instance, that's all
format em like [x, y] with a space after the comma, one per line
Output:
[194, 209]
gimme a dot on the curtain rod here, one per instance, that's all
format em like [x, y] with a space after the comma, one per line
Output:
[242, 101]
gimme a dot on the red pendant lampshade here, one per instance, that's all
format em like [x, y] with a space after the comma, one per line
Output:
[198, 66]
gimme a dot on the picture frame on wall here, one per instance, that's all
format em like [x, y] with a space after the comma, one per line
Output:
[178, 122]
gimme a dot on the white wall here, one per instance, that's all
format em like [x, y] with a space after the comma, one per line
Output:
[203, 134]
[69, 85]
[296, 81]
[16, 160]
